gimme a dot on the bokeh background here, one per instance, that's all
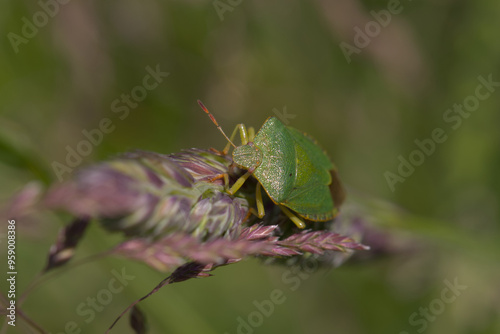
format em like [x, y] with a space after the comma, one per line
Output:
[248, 60]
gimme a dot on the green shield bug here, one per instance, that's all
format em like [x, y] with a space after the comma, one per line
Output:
[294, 171]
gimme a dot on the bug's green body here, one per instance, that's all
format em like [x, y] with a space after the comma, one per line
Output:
[293, 170]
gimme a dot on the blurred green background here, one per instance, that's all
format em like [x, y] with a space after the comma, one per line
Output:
[62, 73]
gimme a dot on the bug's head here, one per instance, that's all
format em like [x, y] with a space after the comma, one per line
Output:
[247, 156]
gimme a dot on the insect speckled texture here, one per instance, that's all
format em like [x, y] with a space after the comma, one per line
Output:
[292, 168]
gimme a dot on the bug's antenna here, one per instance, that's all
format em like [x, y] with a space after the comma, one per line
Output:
[215, 122]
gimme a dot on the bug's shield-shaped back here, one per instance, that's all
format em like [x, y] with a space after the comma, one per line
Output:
[277, 170]
[311, 197]
[295, 171]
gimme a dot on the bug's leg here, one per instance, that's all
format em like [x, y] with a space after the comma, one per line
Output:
[237, 185]
[293, 217]
[260, 205]
[216, 177]
[251, 211]
[224, 176]
[251, 134]
[243, 134]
